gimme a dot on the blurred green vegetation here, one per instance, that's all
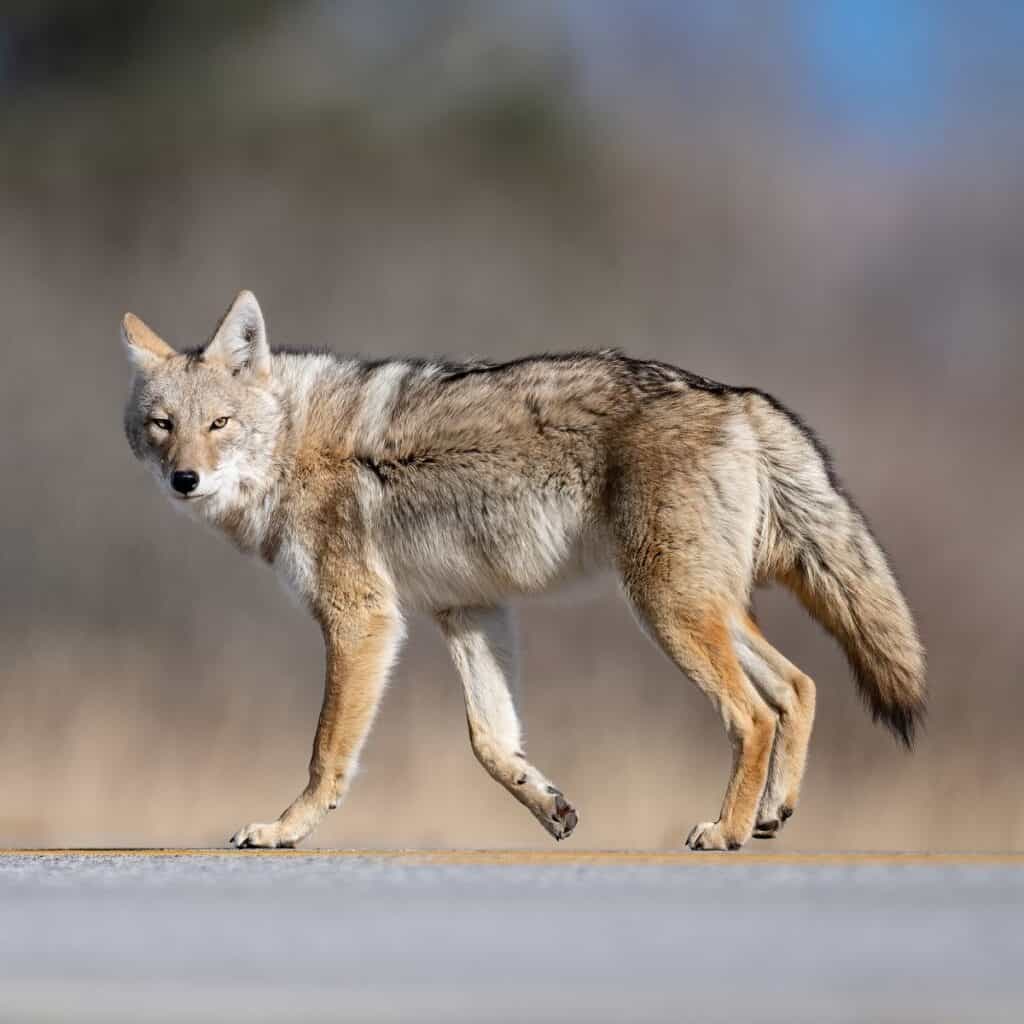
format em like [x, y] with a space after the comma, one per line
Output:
[114, 89]
[93, 42]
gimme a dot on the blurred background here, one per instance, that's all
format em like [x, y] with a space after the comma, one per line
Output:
[822, 198]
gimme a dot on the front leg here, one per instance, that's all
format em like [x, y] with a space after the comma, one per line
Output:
[361, 647]
[482, 646]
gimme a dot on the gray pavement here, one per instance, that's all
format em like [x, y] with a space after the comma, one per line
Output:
[260, 938]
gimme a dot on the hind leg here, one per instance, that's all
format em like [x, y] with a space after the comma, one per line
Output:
[702, 646]
[482, 646]
[791, 695]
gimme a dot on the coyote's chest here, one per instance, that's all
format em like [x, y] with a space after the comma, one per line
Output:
[265, 529]
[296, 567]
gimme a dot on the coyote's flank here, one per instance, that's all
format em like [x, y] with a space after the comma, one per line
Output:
[379, 487]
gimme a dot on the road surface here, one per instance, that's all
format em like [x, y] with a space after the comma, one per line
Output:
[486, 937]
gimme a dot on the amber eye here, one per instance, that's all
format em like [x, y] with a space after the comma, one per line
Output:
[219, 423]
[165, 425]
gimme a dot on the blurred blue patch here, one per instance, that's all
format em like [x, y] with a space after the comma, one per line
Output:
[878, 65]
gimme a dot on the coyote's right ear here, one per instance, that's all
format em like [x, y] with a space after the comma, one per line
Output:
[145, 348]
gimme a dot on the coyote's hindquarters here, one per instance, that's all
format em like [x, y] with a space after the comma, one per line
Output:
[698, 526]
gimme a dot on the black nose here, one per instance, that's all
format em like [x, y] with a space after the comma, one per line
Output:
[185, 481]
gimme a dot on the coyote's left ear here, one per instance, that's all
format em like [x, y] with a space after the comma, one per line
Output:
[240, 341]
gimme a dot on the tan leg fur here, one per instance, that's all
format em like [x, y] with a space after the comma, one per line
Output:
[702, 648]
[791, 694]
[359, 656]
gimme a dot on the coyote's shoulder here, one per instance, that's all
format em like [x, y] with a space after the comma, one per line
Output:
[376, 487]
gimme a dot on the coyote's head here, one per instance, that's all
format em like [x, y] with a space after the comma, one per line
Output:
[205, 421]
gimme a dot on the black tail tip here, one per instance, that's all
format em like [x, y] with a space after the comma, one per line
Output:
[904, 720]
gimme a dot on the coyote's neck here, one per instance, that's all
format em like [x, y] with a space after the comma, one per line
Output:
[314, 393]
[251, 514]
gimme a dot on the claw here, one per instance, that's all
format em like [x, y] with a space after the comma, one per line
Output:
[708, 836]
[559, 822]
[767, 829]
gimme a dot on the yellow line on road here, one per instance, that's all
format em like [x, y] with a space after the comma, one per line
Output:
[532, 858]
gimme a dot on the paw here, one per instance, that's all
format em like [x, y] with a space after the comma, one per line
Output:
[709, 835]
[557, 815]
[769, 824]
[263, 837]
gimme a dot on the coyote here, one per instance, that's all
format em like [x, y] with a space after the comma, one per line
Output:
[380, 487]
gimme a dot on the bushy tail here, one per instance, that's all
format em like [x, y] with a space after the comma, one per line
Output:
[818, 543]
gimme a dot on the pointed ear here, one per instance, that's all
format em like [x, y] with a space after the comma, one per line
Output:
[240, 342]
[145, 348]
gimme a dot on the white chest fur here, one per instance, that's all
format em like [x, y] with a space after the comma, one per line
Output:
[296, 568]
